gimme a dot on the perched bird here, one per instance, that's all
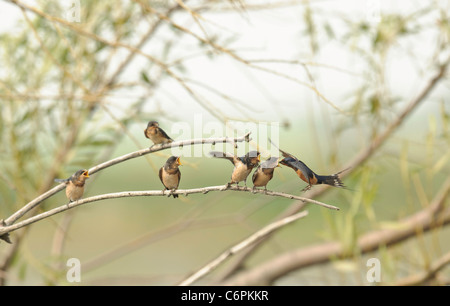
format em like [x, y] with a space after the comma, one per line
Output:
[170, 175]
[307, 175]
[75, 184]
[156, 134]
[264, 173]
[242, 165]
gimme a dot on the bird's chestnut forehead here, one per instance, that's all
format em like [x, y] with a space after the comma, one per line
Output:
[153, 123]
[80, 172]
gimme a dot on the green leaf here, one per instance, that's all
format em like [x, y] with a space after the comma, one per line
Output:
[375, 104]
[145, 78]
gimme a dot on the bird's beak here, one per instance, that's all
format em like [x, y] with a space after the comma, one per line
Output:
[179, 162]
[259, 158]
[86, 174]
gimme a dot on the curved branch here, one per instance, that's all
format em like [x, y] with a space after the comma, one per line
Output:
[435, 215]
[419, 279]
[357, 161]
[241, 245]
[145, 193]
[376, 143]
[32, 204]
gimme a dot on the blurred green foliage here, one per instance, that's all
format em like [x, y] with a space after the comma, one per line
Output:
[62, 109]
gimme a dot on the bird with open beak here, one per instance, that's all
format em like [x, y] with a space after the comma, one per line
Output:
[75, 184]
[170, 175]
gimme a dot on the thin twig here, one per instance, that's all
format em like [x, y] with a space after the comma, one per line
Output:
[146, 193]
[233, 55]
[238, 247]
[144, 39]
[118, 44]
[429, 274]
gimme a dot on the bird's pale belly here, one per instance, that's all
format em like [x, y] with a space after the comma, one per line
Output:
[170, 180]
[74, 193]
[261, 180]
[240, 173]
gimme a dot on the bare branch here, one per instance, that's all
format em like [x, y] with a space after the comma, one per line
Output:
[112, 80]
[423, 277]
[431, 217]
[238, 247]
[9, 228]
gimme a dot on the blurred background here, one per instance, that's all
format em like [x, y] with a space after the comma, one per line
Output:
[349, 83]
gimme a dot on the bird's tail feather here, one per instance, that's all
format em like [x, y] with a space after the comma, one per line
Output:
[332, 180]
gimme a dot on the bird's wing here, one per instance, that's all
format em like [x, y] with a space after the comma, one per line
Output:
[255, 174]
[164, 134]
[160, 175]
[225, 155]
[298, 165]
[179, 177]
[272, 162]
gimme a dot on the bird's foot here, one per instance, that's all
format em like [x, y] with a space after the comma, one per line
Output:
[172, 192]
[306, 188]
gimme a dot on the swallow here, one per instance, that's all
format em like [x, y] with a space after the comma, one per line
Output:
[242, 165]
[306, 174]
[264, 173]
[75, 184]
[170, 175]
[156, 134]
